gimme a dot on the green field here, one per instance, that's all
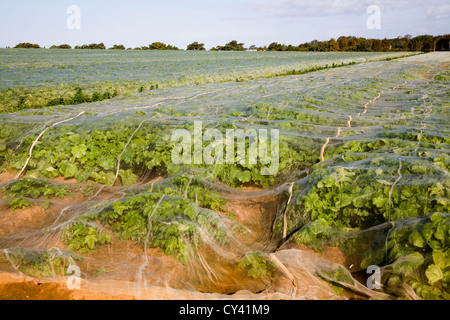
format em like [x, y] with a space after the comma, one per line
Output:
[36, 78]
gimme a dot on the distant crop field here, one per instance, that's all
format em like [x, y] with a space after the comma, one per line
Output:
[36, 78]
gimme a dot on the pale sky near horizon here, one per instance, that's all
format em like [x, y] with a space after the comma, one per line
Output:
[179, 22]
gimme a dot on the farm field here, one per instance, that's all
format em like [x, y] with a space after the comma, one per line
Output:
[36, 78]
[360, 180]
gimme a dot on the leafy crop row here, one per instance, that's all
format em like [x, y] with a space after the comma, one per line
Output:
[78, 98]
[39, 263]
[94, 155]
[19, 191]
[153, 220]
[368, 196]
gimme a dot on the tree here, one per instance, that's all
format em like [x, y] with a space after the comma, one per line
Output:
[157, 46]
[292, 48]
[386, 45]
[333, 45]
[196, 46]
[275, 46]
[313, 45]
[117, 47]
[343, 43]
[363, 45]
[377, 45]
[100, 46]
[92, 46]
[324, 46]
[61, 46]
[161, 46]
[230, 46]
[443, 43]
[234, 46]
[303, 47]
[27, 45]
[352, 43]
[422, 43]
[400, 43]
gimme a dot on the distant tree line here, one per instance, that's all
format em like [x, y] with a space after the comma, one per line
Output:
[424, 43]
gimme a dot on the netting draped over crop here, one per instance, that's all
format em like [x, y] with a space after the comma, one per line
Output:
[361, 179]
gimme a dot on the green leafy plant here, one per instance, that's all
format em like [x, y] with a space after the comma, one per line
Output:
[19, 191]
[33, 188]
[360, 198]
[174, 223]
[194, 189]
[419, 252]
[46, 263]
[336, 277]
[89, 189]
[82, 237]
[18, 203]
[319, 232]
[257, 265]
[94, 155]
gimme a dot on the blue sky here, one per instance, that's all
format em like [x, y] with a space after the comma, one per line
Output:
[179, 22]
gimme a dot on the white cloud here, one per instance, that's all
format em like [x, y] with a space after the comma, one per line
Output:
[436, 13]
[318, 8]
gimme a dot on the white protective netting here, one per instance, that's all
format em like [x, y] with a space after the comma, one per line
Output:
[362, 180]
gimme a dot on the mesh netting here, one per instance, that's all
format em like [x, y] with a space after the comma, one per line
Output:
[361, 181]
